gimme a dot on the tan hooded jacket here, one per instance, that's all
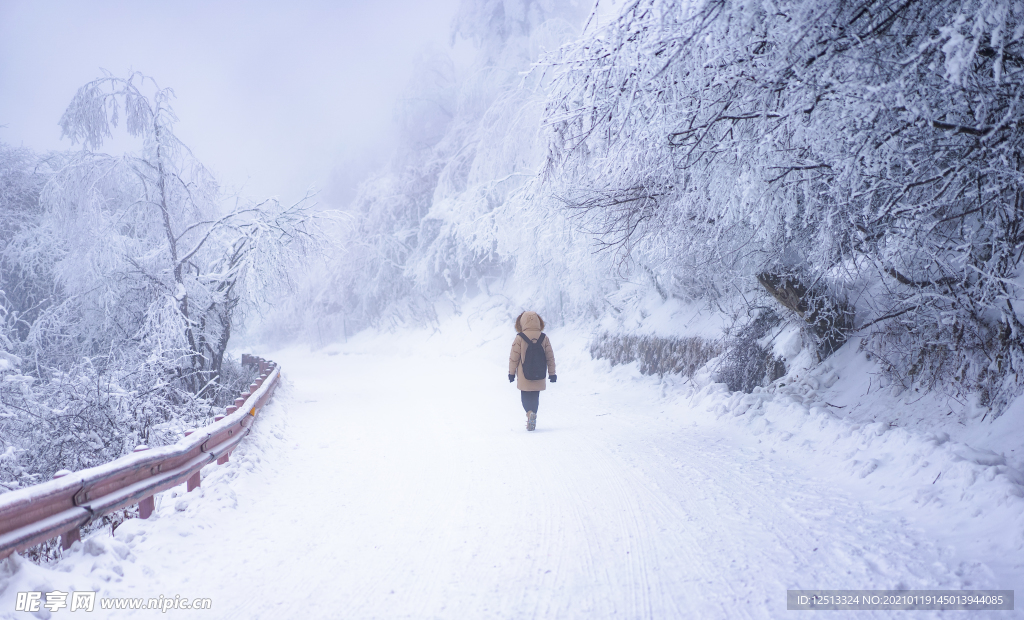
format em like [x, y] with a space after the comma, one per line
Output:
[531, 325]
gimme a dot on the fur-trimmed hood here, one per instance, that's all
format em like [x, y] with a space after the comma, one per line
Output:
[528, 322]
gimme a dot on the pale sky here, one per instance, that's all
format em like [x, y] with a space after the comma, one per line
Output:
[274, 97]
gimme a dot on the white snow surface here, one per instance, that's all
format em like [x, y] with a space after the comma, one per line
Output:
[392, 477]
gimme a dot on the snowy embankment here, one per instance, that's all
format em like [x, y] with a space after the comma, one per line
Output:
[392, 478]
[929, 456]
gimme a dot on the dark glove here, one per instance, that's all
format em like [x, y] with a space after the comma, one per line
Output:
[511, 378]
[554, 378]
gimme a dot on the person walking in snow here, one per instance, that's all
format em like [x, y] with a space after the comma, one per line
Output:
[531, 360]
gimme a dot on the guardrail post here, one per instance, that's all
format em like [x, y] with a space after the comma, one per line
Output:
[255, 385]
[146, 504]
[69, 537]
[218, 418]
[194, 479]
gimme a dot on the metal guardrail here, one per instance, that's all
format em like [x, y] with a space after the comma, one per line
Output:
[61, 506]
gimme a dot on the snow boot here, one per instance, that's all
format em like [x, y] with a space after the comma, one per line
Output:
[531, 420]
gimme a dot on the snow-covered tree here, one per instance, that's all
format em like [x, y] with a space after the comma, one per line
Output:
[143, 247]
[859, 162]
[871, 148]
[122, 279]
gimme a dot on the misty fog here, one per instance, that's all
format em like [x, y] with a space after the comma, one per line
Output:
[775, 247]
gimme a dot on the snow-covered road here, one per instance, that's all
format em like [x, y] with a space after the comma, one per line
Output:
[393, 478]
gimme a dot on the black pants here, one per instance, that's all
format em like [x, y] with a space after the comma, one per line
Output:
[531, 400]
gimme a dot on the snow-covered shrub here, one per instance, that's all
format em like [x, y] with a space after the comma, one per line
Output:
[747, 363]
[26, 287]
[82, 416]
[656, 355]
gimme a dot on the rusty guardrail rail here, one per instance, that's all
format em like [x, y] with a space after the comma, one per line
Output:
[61, 506]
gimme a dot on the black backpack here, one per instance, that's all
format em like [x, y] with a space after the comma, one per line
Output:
[535, 362]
